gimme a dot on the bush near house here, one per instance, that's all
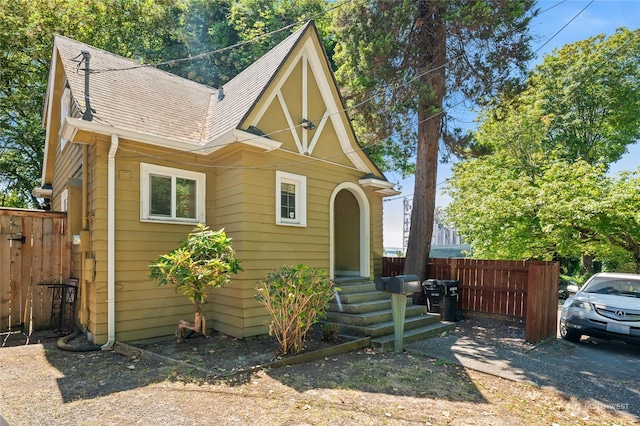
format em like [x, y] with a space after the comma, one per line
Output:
[296, 297]
[203, 261]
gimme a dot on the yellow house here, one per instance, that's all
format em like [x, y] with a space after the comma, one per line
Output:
[138, 157]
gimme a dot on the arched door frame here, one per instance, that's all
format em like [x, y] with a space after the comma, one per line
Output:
[365, 237]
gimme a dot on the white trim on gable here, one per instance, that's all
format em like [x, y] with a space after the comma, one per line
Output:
[334, 109]
[318, 132]
[311, 59]
[290, 123]
[48, 106]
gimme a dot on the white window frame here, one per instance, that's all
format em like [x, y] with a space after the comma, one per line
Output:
[65, 107]
[146, 170]
[64, 200]
[300, 183]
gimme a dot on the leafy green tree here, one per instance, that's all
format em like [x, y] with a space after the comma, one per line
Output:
[203, 261]
[215, 25]
[544, 192]
[142, 30]
[581, 102]
[152, 32]
[404, 64]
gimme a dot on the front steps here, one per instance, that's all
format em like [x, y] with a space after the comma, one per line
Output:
[360, 310]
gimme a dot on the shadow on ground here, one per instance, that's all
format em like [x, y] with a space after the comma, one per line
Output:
[225, 360]
[598, 372]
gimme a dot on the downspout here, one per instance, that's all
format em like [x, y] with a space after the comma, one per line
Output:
[111, 240]
[84, 282]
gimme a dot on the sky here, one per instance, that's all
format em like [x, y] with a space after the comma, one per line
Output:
[601, 16]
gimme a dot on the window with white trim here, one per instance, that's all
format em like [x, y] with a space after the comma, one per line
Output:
[64, 200]
[65, 106]
[171, 195]
[291, 199]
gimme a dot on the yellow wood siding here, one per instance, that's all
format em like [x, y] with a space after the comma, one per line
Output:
[240, 197]
[249, 197]
[242, 200]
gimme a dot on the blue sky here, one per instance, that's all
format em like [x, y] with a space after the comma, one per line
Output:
[602, 16]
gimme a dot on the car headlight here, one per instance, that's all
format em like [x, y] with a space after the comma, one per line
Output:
[581, 304]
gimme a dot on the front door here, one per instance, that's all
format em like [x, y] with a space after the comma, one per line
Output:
[349, 231]
[347, 234]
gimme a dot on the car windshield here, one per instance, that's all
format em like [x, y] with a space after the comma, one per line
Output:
[618, 287]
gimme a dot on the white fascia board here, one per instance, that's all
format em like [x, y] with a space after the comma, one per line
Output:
[388, 192]
[46, 113]
[255, 140]
[72, 125]
[42, 193]
[380, 186]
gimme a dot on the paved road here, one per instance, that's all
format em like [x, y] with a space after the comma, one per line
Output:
[596, 372]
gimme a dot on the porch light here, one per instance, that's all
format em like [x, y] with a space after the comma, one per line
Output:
[306, 124]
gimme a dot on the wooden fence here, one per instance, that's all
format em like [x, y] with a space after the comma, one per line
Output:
[34, 252]
[519, 290]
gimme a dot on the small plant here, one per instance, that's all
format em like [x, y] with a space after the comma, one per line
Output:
[329, 332]
[296, 297]
[203, 261]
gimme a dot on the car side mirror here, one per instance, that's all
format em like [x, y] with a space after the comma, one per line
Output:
[573, 288]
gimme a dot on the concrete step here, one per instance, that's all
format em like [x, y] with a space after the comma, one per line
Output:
[356, 287]
[385, 328]
[387, 343]
[360, 308]
[368, 296]
[372, 317]
[362, 311]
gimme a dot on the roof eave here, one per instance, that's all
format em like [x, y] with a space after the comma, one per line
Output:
[380, 186]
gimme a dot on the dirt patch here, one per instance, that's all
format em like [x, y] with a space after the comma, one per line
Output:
[222, 355]
[40, 384]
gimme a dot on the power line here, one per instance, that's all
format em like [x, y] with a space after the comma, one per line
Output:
[224, 49]
[564, 26]
[383, 140]
[551, 7]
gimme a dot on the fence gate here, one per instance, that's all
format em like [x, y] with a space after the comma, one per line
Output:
[34, 252]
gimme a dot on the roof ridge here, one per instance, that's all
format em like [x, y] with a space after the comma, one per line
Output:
[245, 89]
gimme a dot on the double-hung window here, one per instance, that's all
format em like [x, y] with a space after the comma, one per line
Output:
[291, 199]
[171, 195]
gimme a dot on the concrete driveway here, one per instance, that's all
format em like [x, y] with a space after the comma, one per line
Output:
[597, 372]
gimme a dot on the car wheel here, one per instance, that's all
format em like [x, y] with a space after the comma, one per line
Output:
[569, 334]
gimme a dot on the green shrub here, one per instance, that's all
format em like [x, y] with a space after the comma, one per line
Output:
[203, 261]
[296, 297]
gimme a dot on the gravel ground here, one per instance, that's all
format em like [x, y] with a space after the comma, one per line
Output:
[43, 385]
[596, 372]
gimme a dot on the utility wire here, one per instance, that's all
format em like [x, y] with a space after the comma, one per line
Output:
[565, 25]
[224, 49]
[383, 140]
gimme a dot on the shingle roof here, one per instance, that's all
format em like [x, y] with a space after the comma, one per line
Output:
[127, 95]
[245, 89]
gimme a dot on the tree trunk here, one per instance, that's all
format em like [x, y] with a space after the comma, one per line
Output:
[199, 324]
[586, 264]
[433, 34]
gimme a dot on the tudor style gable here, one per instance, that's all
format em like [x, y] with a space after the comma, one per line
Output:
[302, 109]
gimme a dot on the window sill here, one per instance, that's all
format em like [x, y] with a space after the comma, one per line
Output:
[171, 222]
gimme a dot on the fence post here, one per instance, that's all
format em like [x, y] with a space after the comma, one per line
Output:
[453, 266]
[542, 302]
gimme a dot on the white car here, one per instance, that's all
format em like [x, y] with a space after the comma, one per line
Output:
[607, 306]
